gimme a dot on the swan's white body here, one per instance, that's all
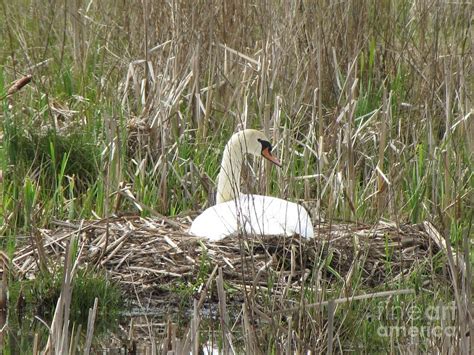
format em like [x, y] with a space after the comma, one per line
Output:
[251, 214]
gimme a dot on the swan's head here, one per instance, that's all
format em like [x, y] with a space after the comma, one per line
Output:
[256, 143]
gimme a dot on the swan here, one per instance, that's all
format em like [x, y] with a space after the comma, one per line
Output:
[252, 214]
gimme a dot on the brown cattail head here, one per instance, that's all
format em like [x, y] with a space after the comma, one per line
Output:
[18, 84]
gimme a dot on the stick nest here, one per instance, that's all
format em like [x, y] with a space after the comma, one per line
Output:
[150, 257]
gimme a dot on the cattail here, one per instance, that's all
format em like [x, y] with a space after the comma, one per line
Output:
[18, 85]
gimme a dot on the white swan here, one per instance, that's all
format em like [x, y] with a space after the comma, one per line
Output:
[251, 214]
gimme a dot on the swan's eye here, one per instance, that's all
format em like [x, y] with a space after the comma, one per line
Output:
[265, 145]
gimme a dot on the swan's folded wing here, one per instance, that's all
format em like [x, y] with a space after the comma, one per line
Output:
[255, 215]
[273, 216]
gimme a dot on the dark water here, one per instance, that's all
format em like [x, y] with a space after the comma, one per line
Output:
[133, 332]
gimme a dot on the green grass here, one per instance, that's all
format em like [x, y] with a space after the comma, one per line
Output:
[35, 300]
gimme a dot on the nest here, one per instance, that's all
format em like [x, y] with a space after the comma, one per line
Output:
[148, 257]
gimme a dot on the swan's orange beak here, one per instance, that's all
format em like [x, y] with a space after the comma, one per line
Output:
[268, 155]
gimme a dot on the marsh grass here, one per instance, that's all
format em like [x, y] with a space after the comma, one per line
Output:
[368, 104]
[38, 289]
[36, 301]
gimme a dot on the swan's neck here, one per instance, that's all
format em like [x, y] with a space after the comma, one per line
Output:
[228, 185]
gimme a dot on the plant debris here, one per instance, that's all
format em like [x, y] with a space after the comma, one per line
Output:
[147, 256]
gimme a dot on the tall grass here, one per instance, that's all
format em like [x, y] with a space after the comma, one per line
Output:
[372, 97]
[369, 106]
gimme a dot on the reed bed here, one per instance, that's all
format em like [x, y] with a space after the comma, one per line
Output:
[367, 104]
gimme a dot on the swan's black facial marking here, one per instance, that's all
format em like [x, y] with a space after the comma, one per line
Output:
[267, 152]
[265, 144]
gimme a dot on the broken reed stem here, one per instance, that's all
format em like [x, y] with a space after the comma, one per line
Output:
[330, 329]
[4, 269]
[195, 322]
[128, 194]
[250, 341]
[58, 339]
[90, 327]
[191, 337]
[224, 316]
[347, 299]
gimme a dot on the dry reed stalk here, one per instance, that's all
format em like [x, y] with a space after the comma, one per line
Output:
[36, 350]
[224, 316]
[288, 337]
[454, 259]
[127, 193]
[330, 326]
[4, 271]
[74, 346]
[195, 321]
[249, 332]
[58, 337]
[191, 341]
[77, 31]
[349, 146]
[170, 340]
[195, 97]
[350, 299]
[38, 245]
[381, 180]
[90, 326]
[459, 272]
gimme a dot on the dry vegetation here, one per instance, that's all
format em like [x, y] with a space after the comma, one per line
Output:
[158, 266]
[369, 106]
